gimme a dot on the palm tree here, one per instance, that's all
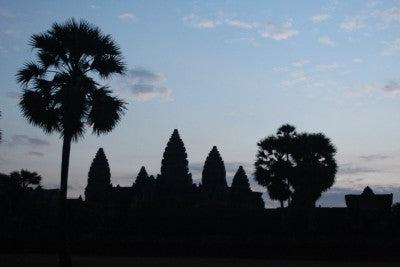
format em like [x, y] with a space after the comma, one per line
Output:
[274, 163]
[61, 95]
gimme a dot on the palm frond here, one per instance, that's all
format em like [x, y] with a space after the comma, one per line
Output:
[28, 72]
[36, 108]
[106, 111]
[63, 96]
[108, 65]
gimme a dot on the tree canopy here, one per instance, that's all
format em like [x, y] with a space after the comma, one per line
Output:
[295, 167]
[274, 163]
[59, 94]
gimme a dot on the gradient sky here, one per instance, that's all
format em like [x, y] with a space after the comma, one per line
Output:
[224, 73]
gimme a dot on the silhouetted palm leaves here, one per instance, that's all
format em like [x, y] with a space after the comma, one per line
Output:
[59, 91]
[297, 167]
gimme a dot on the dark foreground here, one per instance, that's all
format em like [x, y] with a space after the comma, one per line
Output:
[205, 238]
[28, 260]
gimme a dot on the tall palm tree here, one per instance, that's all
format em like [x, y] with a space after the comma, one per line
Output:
[61, 95]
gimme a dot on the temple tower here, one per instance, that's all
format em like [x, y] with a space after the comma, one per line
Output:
[175, 176]
[99, 183]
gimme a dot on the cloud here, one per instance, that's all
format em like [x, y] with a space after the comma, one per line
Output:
[319, 17]
[35, 154]
[143, 91]
[93, 7]
[196, 21]
[391, 48]
[280, 69]
[391, 88]
[6, 13]
[144, 84]
[353, 23]
[391, 14]
[275, 31]
[353, 169]
[240, 24]
[374, 157]
[326, 40]
[296, 77]
[278, 32]
[142, 75]
[128, 17]
[358, 60]
[328, 67]
[300, 63]
[13, 95]
[364, 89]
[11, 32]
[24, 140]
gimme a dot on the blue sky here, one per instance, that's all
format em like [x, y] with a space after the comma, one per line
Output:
[224, 73]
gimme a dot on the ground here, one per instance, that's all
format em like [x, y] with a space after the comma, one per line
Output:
[36, 260]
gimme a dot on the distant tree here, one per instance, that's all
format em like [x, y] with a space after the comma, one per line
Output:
[8, 186]
[240, 182]
[61, 95]
[315, 168]
[274, 164]
[175, 176]
[25, 179]
[296, 167]
[15, 188]
[99, 178]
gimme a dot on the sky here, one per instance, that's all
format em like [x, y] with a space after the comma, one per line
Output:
[224, 73]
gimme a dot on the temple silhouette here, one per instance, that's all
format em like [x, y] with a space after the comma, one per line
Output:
[368, 200]
[173, 188]
[168, 215]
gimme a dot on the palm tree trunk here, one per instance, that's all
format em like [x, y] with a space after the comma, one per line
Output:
[282, 205]
[64, 256]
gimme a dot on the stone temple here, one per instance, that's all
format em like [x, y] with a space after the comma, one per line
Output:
[368, 200]
[173, 188]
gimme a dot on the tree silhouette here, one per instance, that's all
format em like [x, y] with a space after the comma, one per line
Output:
[25, 179]
[99, 182]
[315, 168]
[295, 166]
[274, 164]
[240, 182]
[60, 94]
[175, 176]
[214, 175]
